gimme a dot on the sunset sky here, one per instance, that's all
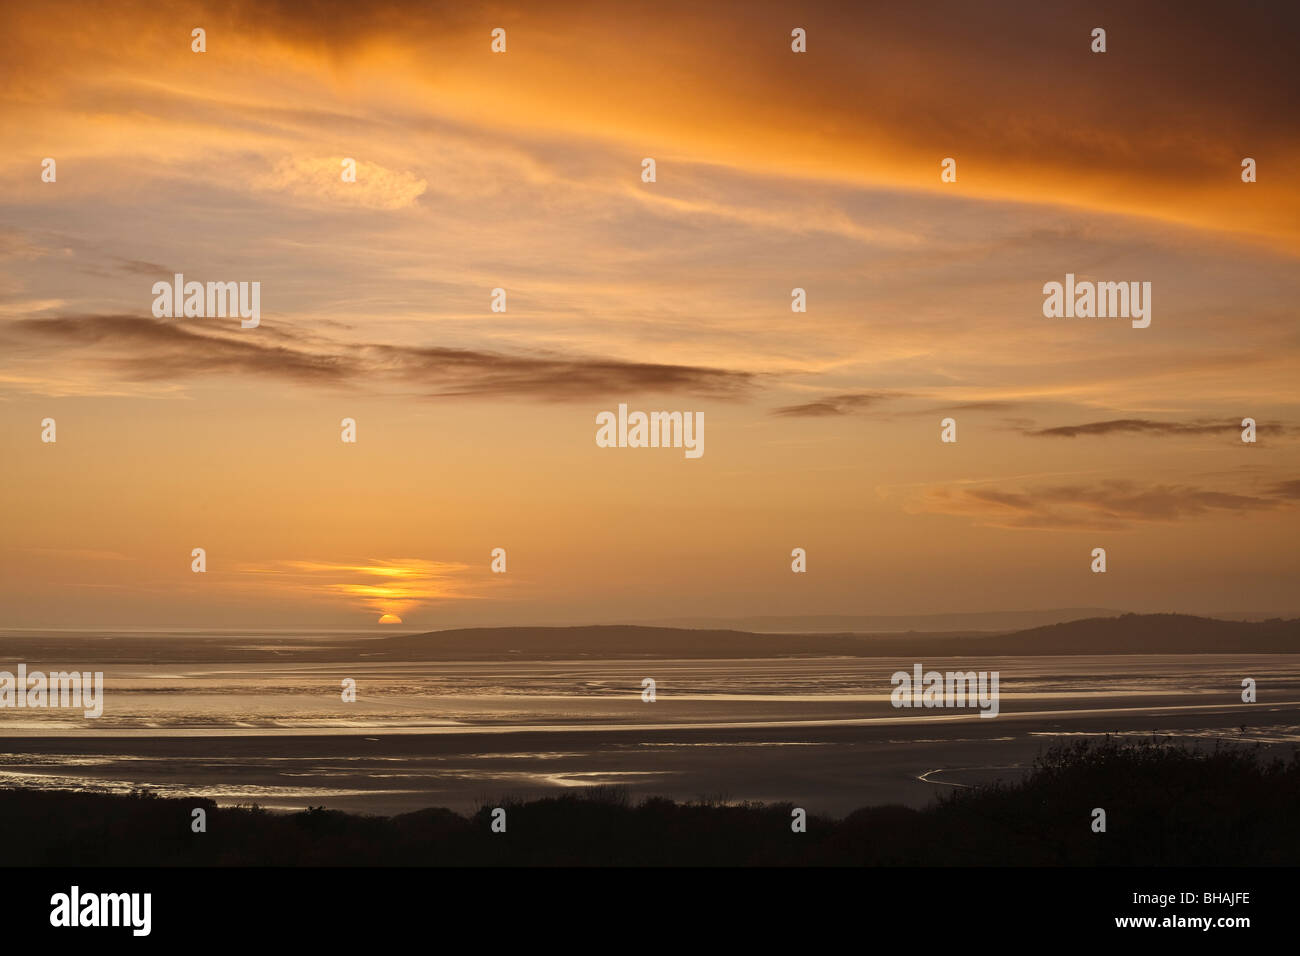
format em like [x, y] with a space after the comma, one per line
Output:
[522, 170]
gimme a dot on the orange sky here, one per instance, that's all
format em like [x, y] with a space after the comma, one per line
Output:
[522, 171]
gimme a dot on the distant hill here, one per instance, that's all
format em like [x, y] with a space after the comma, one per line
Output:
[1152, 634]
[990, 621]
[1126, 634]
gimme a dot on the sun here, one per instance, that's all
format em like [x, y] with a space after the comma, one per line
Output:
[390, 619]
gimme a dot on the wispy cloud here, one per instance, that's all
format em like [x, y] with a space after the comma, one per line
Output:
[1287, 489]
[390, 586]
[145, 350]
[319, 180]
[1110, 504]
[80, 554]
[834, 405]
[1146, 426]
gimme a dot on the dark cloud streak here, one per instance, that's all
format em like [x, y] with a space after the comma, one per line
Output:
[1104, 505]
[1145, 426]
[147, 350]
[833, 405]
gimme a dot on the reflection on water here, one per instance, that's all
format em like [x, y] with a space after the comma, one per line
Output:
[160, 700]
[816, 731]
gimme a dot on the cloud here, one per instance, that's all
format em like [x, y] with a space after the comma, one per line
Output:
[1075, 132]
[834, 405]
[1112, 504]
[1287, 489]
[145, 349]
[387, 586]
[987, 406]
[1147, 426]
[859, 401]
[140, 267]
[463, 372]
[320, 178]
[81, 554]
[149, 350]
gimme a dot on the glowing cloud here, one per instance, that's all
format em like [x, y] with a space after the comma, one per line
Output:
[392, 587]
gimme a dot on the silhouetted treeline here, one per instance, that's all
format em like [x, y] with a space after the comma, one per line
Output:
[1164, 804]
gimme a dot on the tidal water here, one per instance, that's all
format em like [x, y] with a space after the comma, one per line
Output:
[820, 732]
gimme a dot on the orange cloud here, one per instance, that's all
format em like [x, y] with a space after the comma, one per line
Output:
[320, 179]
[1114, 504]
[393, 586]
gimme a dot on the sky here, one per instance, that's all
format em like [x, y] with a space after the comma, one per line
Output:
[522, 170]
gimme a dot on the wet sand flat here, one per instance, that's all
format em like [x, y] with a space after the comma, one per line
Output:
[829, 768]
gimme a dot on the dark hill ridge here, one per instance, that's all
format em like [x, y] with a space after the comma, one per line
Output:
[1126, 634]
[1156, 634]
[989, 622]
[613, 640]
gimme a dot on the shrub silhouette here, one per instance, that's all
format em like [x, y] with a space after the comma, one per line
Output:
[1166, 805]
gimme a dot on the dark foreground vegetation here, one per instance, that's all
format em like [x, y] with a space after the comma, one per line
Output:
[1165, 805]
